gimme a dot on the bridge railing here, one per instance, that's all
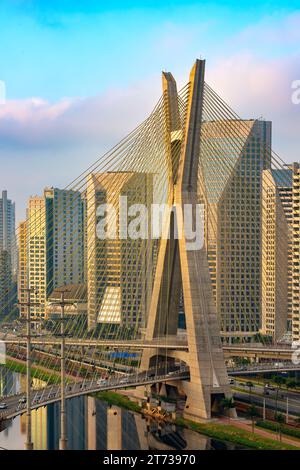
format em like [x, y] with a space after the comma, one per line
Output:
[265, 366]
[52, 393]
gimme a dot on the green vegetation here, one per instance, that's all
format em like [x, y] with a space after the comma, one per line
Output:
[243, 390]
[285, 429]
[250, 385]
[264, 339]
[164, 398]
[242, 361]
[279, 418]
[36, 373]
[235, 435]
[291, 383]
[227, 404]
[117, 399]
[287, 383]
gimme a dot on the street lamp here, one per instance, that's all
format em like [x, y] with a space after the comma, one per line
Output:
[63, 424]
[28, 304]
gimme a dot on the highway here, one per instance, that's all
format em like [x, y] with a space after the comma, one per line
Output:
[246, 396]
[263, 368]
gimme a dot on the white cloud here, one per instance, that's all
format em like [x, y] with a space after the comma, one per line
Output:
[50, 143]
[256, 87]
[35, 123]
[44, 144]
[273, 30]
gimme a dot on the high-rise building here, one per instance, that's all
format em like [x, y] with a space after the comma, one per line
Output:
[7, 227]
[7, 287]
[22, 271]
[276, 251]
[232, 178]
[117, 267]
[8, 256]
[51, 245]
[36, 254]
[65, 238]
[296, 255]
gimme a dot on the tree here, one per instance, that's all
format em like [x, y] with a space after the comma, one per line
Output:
[297, 420]
[291, 383]
[279, 418]
[227, 404]
[250, 385]
[252, 413]
[279, 380]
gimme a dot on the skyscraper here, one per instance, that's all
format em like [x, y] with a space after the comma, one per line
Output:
[233, 180]
[7, 224]
[296, 255]
[64, 238]
[276, 251]
[117, 267]
[22, 271]
[8, 256]
[51, 245]
[7, 286]
[36, 254]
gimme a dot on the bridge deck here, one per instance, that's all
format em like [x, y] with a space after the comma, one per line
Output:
[168, 342]
[51, 394]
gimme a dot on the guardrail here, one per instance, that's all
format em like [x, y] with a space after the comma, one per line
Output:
[262, 367]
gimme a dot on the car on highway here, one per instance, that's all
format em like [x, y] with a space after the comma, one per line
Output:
[172, 372]
[270, 387]
[22, 400]
[124, 381]
[3, 406]
[101, 382]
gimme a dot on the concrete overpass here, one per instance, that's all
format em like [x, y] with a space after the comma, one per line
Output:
[263, 368]
[168, 342]
[259, 352]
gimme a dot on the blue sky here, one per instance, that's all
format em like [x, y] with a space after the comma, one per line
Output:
[80, 74]
[77, 48]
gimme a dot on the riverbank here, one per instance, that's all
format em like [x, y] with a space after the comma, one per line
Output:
[221, 432]
[116, 399]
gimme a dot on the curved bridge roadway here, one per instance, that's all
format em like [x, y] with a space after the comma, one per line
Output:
[51, 394]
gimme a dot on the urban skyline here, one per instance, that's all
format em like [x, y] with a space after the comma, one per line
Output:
[41, 122]
[47, 229]
[77, 287]
[149, 229]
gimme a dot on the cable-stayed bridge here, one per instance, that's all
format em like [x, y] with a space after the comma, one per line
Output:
[188, 154]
